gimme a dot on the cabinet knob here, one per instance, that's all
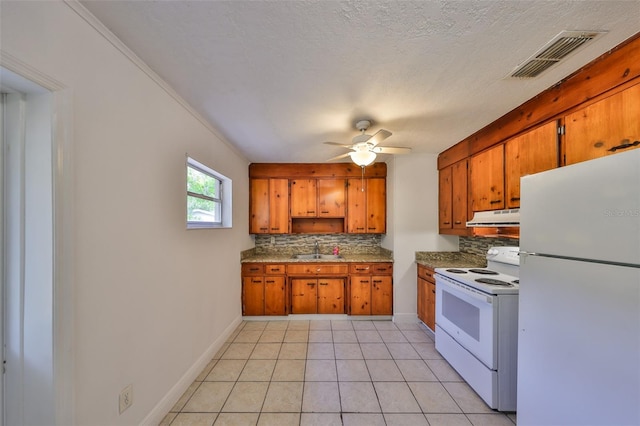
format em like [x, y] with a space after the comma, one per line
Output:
[495, 201]
[457, 222]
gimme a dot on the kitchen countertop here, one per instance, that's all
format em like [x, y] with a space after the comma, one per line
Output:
[449, 259]
[288, 258]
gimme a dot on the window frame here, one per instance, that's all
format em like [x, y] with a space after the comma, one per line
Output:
[223, 200]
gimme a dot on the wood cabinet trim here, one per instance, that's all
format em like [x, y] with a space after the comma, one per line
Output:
[315, 170]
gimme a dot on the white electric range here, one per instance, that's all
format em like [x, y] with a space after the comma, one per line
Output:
[477, 325]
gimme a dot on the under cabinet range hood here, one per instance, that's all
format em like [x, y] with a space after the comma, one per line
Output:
[495, 219]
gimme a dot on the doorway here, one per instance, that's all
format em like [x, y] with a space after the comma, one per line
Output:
[27, 229]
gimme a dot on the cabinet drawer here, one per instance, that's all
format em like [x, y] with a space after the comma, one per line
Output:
[360, 268]
[274, 269]
[317, 269]
[426, 274]
[382, 268]
[252, 269]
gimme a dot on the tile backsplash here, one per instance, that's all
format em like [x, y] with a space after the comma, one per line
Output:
[480, 245]
[304, 243]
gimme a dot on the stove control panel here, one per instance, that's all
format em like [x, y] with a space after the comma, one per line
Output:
[509, 255]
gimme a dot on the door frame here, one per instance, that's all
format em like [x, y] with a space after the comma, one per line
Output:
[63, 233]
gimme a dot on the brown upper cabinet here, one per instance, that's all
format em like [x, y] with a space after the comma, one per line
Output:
[532, 152]
[598, 109]
[269, 206]
[606, 127]
[304, 201]
[318, 197]
[486, 178]
[452, 199]
[315, 198]
[331, 197]
[366, 206]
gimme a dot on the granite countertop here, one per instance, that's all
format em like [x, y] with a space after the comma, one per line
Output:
[288, 258]
[449, 259]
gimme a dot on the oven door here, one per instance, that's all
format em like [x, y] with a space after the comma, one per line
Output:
[469, 317]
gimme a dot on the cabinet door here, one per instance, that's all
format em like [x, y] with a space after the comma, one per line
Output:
[376, 205]
[331, 197]
[274, 295]
[592, 131]
[422, 300]
[259, 206]
[253, 296]
[361, 295]
[356, 207]
[269, 206]
[304, 295]
[486, 176]
[445, 200]
[303, 198]
[278, 206]
[430, 305]
[381, 295]
[459, 195]
[331, 296]
[532, 152]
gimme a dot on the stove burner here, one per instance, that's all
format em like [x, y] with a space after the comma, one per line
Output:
[492, 281]
[516, 281]
[483, 271]
[457, 271]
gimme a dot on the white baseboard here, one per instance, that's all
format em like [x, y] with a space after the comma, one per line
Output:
[162, 408]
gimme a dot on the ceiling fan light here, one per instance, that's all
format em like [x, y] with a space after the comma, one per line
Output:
[362, 158]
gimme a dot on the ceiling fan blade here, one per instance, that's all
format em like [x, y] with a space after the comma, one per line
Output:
[379, 136]
[391, 150]
[339, 157]
[339, 144]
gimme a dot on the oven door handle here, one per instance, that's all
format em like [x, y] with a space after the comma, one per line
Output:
[470, 292]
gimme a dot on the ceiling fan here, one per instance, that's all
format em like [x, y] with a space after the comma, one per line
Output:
[365, 147]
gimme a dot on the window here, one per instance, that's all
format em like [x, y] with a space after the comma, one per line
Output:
[208, 204]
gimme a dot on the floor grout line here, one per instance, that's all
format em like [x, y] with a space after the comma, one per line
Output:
[389, 334]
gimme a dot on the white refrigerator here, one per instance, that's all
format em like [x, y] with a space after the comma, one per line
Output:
[579, 306]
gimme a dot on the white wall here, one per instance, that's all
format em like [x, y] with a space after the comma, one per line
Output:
[412, 197]
[150, 298]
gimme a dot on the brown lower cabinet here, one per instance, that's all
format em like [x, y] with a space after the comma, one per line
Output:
[317, 288]
[263, 289]
[317, 295]
[427, 296]
[371, 294]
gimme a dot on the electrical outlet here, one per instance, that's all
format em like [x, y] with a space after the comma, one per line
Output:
[273, 240]
[126, 398]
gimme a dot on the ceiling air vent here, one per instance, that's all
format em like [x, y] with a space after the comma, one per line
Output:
[554, 51]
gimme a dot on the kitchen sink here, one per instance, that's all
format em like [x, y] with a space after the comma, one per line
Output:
[317, 256]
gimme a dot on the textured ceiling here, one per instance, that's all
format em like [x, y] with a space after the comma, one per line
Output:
[278, 78]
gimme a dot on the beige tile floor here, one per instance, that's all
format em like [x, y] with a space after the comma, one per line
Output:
[331, 373]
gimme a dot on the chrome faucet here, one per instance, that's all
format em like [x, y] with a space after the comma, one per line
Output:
[317, 248]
